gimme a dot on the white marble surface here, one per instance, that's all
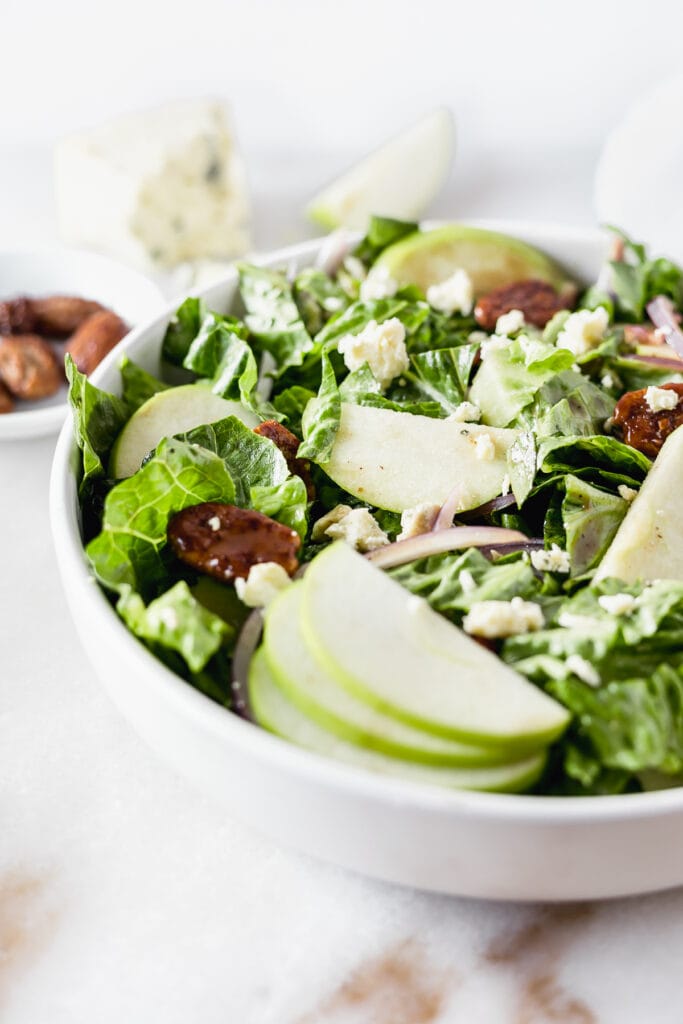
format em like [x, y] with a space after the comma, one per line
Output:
[126, 897]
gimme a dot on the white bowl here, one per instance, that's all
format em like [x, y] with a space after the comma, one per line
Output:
[473, 844]
[56, 270]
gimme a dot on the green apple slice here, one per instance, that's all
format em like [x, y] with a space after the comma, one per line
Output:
[389, 648]
[400, 179]
[647, 545]
[491, 259]
[167, 413]
[395, 460]
[320, 697]
[275, 712]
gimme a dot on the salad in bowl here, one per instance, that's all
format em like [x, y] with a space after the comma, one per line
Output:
[413, 508]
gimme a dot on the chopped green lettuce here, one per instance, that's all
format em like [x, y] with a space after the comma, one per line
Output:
[321, 418]
[382, 232]
[182, 330]
[130, 550]
[511, 374]
[273, 317]
[98, 419]
[177, 621]
[137, 386]
[590, 517]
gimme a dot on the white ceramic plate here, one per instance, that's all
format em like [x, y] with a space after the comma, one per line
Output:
[474, 844]
[638, 180]
[56, 270]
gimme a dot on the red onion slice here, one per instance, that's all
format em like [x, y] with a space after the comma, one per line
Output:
[662, 312]
[661, 361]
[449, 508]
[498, 550]
[495, 505]
[444, 520]
[441, 541]
[247, 642]
[333, 252]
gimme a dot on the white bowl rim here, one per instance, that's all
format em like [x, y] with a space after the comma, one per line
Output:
[38, 422]
[520, 808]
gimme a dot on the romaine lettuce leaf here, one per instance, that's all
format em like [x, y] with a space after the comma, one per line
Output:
[182, 330]
[382, 232]
[632, 724]
[442, 375]
[137, 385]
[177, 621]
[273, 317]
[130, 549]
[570, 405]
[361, 387]
[318, 297]
[290, 405]
[590, 517]
[521, 462]
[321, 418]
[258, 468]
[438, 579]
[98, 419]
[511, 374]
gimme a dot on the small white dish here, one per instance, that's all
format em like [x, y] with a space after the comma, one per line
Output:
[57, 270]
[638, 179]
[473, 844]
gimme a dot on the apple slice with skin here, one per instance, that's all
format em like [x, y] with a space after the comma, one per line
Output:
[168, 413]
[391, 649]
[395, 460]
[275, 712]
[320, 697]
[400, 179]
[491, 259]
[647, 545]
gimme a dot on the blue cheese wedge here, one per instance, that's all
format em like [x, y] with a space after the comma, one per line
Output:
[156, 188]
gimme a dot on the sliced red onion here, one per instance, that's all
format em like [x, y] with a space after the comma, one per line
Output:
[448, 510]
[496, 550]
[247, 642]
[662, 312]
[666, 364]
[333, 252]
[444, 520]
[441, 541]
[495, 505]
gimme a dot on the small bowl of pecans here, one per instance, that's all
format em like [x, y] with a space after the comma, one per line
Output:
[55, 301]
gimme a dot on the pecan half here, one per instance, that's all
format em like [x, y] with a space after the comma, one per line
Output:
[95, 339]
[642, 428]
[16, 316]
[29, 367]
[58, 316]
[6, 400]
[288, 443]
[538, 300]
[224, 541]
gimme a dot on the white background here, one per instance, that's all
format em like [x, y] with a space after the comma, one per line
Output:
[534, 86]
[125, 898]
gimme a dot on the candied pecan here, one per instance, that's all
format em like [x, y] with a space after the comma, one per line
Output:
[16, 316]
[29, 367]
[95, 339]
[58, 316]
[6, 400]
[538, 300]
[288, 443]
[642, 428]
[224, 541]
